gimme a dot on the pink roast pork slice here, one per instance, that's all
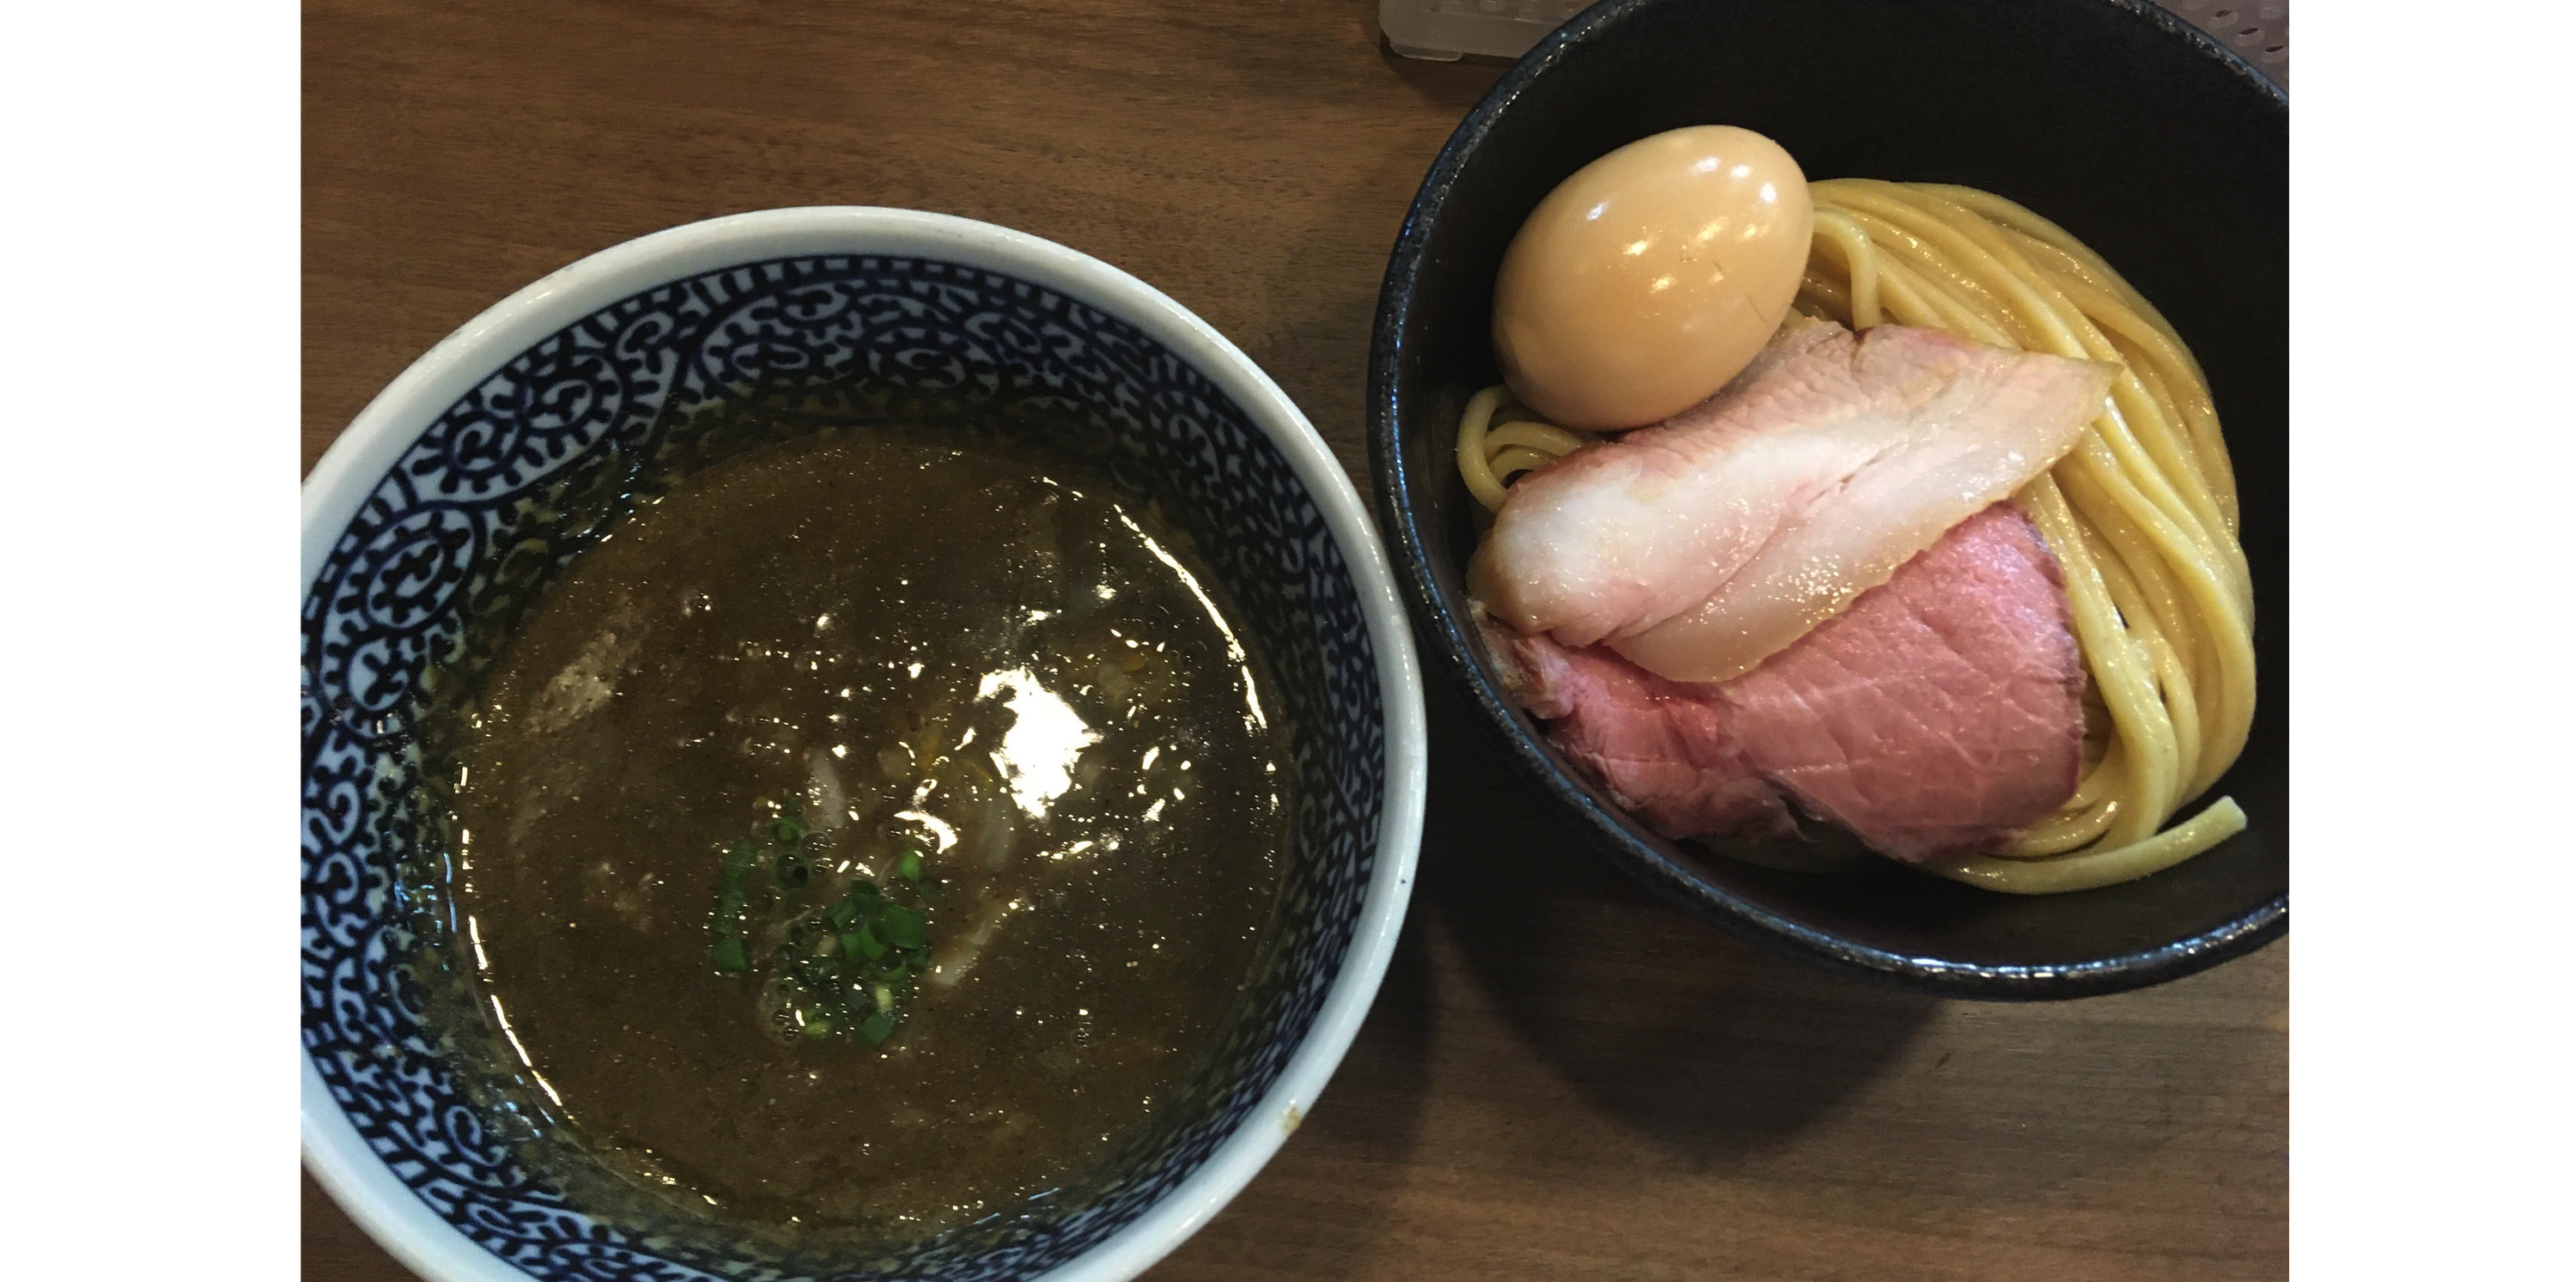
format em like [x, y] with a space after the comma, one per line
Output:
[1704, 545]
[1939, 714]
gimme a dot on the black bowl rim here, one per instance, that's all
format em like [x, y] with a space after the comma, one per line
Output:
[1610, 837]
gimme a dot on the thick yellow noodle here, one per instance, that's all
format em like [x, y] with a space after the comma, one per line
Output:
[2141, 513]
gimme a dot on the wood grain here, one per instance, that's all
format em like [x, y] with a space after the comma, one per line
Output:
[1561, 1079]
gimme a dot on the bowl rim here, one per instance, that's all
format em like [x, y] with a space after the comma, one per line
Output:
[1612, 835]
[340, 1160]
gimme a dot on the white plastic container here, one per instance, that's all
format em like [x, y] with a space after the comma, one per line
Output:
[1441, 30]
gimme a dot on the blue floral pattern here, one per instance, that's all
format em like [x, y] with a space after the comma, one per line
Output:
[515, 478]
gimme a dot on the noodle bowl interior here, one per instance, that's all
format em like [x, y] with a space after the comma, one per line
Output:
[2138, 513]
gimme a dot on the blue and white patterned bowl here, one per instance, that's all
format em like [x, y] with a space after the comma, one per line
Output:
[426, 511]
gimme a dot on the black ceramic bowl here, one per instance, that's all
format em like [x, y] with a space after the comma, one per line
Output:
[2133, 130]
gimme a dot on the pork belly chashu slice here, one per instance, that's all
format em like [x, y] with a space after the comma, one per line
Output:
[1939, 714]
[1703, 545]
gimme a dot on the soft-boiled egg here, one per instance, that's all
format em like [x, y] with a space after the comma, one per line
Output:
[1651, 276]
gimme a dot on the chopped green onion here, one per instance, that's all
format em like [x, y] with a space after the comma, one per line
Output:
[859, 952]
[729, 955]
[903, 926]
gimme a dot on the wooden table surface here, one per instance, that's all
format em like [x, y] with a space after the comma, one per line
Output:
[1659, 1102]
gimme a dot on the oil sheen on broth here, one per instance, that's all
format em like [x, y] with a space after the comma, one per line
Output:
[977, 654]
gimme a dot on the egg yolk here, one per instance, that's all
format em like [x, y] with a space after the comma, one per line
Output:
[1651, 276]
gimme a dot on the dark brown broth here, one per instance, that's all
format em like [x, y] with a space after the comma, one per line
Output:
[818, 621]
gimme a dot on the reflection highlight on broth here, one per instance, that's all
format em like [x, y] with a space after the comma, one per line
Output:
[864, 836]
